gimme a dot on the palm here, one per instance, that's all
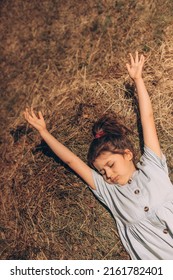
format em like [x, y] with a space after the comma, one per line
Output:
[135, 68]
[36, 122]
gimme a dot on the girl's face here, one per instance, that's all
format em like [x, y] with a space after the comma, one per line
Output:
[115, 168]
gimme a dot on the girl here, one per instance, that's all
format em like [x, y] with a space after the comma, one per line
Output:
[140, 196]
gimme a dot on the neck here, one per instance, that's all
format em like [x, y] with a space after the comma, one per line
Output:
[132, 170]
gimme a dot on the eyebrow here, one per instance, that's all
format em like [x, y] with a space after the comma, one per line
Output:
[105, 165]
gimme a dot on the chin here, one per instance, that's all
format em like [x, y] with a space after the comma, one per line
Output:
[121, 183]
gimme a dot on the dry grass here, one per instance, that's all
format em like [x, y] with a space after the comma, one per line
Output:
[69, 61]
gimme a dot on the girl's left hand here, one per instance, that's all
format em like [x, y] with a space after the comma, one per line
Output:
[135, 68]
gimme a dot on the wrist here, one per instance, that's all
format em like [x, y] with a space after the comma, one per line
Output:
[138, 80]
[43, 131]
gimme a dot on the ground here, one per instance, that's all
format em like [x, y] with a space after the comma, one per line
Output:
[67, 58]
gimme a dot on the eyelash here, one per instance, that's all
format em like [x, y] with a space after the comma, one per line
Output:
[110, 166]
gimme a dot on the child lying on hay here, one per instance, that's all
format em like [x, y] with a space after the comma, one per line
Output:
[140, 196]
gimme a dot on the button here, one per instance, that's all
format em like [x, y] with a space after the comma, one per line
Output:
[142, 163]
[146, 209]
[137, 191]
[130, 180]
[165, 230]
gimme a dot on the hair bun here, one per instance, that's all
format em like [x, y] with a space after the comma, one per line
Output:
[108, 125]
[110, 135]
[99, 134]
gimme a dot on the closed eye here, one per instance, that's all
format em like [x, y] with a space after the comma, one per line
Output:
[102, 172]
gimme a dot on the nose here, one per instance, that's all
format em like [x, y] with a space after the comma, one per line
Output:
[108, 174]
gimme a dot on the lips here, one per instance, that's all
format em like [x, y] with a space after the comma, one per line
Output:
[115, 180]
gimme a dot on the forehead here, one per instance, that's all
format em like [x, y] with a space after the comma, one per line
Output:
[105, 157]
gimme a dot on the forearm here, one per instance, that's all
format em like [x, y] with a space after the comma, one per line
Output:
[59, 149]
[145, 106]
[68, 157]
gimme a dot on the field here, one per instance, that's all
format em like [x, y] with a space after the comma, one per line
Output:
[67, 59]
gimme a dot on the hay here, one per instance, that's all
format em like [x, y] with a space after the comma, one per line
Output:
[69, 61]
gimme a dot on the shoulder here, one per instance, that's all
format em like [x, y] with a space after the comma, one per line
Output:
[99, 182]
[151, 159]
[103, 190]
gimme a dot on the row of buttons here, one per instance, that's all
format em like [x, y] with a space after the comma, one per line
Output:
[136, 191]
[146, 208]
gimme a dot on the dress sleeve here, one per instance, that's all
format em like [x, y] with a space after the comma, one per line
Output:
[101, 191]
[151, 158]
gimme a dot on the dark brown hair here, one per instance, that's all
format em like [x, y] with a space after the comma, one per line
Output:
[109, 135]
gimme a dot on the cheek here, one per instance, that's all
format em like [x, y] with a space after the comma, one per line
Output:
[105, 179]
[120, 168]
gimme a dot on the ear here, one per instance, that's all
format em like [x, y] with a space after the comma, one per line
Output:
[128, 154]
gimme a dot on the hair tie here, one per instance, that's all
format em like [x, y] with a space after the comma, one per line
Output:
[99, 134]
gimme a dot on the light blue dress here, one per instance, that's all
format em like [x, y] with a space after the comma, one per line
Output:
[143, 208]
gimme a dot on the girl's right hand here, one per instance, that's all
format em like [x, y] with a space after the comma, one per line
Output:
[36, 122]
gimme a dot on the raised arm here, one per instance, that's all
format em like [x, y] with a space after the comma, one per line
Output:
[73, 161]
[145, 106]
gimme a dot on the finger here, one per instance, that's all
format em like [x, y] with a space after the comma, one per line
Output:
[33, 114]
[142, 60]
[40, 115]
[128, 67]
[25, 113]
[27, 116]
[131, 59]
[136, 57]
[28, 113]
[143, 57]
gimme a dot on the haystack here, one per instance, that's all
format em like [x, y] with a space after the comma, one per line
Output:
[67, 58]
